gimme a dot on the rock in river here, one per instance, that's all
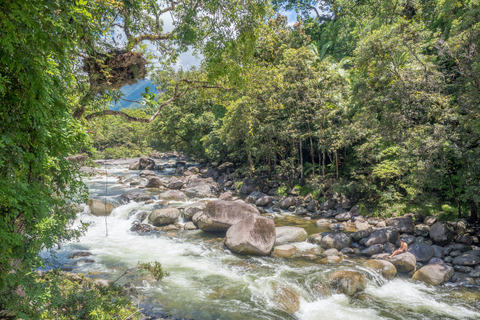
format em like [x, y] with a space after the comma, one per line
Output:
[134, 195]
[336, 240]
[290, 234]
[253, 235]
[220, 215]
[385, 268]
[404, 262]
[99, 208]
[347, 282]
[174, 195]
[161, 217]
[434, 274]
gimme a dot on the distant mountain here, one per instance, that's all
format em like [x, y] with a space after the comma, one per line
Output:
[133, 92]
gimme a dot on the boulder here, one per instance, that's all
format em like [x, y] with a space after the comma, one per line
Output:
[191, 171]
[324, 223]
[161, 217]
[336, 240]
[134, 195]
[254, 196]
[284, 251]
[189, 226]
[375, 249]
[441, 233]
[315, 238]
[175, 184]
[265, 200]
[423, 252]
[359, 235]
[347, 282]
[154, 182]
[134, 166]
[345, 216]
[466, 259]
[173, 195]
[421, 230]
[193, 208]
[147, 173]
[220, 215]
[246, 188]
[430, 220]
[146, 163]
[289, 234]
[403, 224]
[381, 236]
[312, 205]
[137, 226]
[385, 268]
[253, 235]
[404, 262]
[288, 202]
[434, 274]
[226, 196]
[362, 225]
[99, 208]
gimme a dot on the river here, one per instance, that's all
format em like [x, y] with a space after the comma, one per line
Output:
[207, 281]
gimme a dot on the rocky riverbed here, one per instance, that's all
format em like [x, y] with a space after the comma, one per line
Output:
[266, 256]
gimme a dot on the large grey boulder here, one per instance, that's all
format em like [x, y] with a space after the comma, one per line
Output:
[359, 235]
[220, 215]
[254, 196]
[466, 259]
[265, 200]
[441, 233]
[289, 234]
[154, 182]
[423, 252]
[404, 262]
[146, 163]
[134, 195]
[174, 195]
[385, 268]
[193, 208]
[347, 282]
[336, 240]
[372, 250]
[382, 236]
[403, 224]
[434, 274]
[288, 202]
[134, 166]
[175, 184]
[147, 174]
[253, 235]
[161, 217]
[226, 196]
[100, 208]
[196, 186]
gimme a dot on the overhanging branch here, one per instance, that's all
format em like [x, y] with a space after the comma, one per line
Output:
[178, 93]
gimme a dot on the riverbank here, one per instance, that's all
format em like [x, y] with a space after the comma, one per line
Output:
[206, 276]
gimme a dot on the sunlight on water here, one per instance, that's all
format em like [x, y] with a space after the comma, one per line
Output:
[207, 281]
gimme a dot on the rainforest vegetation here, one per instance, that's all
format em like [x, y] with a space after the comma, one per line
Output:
[377, 99]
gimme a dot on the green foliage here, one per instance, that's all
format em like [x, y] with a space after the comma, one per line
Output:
[282, 191]
[81, 298]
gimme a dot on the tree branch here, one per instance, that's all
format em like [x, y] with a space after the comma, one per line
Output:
[178, 93]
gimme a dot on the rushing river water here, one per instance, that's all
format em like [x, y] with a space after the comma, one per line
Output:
[207, 281]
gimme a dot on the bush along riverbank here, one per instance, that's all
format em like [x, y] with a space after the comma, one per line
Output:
[439, 251]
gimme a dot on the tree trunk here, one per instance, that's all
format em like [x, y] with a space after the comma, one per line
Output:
[473, 211]
[336, 163]
[449, 173]
[312, 154]
[301, 159]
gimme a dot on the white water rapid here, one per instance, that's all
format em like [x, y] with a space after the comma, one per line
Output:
[207, 281]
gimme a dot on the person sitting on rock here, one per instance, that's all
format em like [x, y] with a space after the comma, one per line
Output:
[403, 248]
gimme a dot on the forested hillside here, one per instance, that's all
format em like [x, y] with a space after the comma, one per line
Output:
[378, 99]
